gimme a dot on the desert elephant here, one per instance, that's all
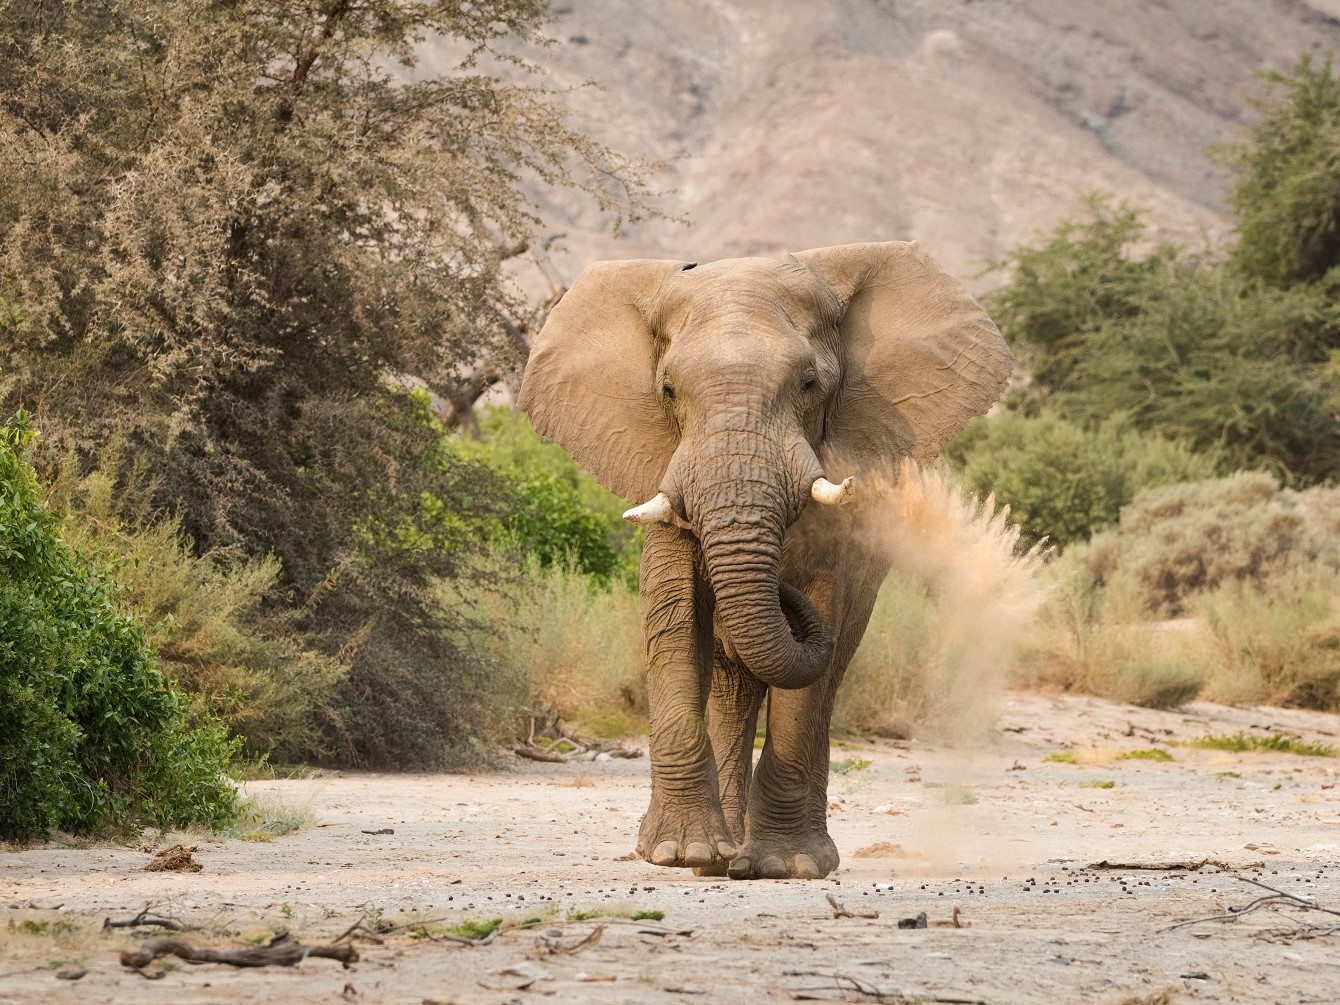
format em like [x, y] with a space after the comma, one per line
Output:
[719, 397]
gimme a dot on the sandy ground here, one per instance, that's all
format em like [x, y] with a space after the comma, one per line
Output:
[1005, 836]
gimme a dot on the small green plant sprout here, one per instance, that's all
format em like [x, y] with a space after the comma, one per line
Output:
[1147, 754]
[648, 916]
[1062, 757]
[1273, 743]
[29, 926]
[428, 930]
[1105, 784]
[849, 765]
[1227, 774]
[575, 915]
[471, 929]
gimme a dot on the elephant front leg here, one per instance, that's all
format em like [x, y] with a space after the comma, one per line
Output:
[788, 833]
[684, 826]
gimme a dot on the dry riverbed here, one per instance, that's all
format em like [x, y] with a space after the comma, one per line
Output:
[1010, 835]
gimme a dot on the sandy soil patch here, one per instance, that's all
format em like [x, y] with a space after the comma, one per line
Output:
[1005, 835]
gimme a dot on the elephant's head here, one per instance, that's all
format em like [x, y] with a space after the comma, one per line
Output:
[711, 392]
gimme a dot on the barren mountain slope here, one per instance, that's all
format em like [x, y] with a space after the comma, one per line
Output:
[970, 126]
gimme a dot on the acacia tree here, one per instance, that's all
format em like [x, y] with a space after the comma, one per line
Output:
[226, 228]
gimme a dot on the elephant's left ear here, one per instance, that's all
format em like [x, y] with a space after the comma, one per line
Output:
[920, 356]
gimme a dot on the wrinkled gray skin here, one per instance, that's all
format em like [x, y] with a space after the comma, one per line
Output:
[730, 388]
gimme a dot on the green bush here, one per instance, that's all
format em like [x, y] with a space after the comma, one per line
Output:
[1176, 344]
[1286, 192]
[559, 512]
[92, 735]
[1063, 481]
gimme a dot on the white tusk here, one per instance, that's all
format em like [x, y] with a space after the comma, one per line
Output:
[654, 510]
[829, 494]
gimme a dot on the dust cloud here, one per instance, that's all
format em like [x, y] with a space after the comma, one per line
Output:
[957, 604]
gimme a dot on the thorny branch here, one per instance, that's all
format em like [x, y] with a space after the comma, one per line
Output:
[1275, 896]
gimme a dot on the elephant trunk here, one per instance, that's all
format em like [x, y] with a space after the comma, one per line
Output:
[776, 632]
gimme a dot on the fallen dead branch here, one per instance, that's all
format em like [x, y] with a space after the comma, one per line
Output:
[1273, 897]
[145, 918]
[461, 940]
[839, 911]
[536, 752]
[281, 951]
[848, 983]
[1189, 865]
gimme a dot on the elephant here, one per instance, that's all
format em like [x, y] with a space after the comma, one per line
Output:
[720, 398]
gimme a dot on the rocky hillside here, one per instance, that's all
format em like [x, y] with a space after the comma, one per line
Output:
[969, 125]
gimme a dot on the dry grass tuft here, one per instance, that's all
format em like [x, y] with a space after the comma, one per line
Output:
[570, 644]
[1251, 573]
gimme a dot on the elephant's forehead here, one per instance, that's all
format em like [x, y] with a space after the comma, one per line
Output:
[760, 286]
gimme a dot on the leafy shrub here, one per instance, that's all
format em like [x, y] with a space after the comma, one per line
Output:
[91, 733]
[1063, 481]
[1285, 195]
[1176, 343]
[1176, 540]
[559, 512]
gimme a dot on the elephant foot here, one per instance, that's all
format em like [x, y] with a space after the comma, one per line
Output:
[680, 838]
[785, 856]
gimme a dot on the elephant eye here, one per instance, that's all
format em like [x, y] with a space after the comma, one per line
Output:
[667, 392]
[810, 382]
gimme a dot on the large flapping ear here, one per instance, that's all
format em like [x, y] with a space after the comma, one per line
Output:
[589, 383]
[921, 357]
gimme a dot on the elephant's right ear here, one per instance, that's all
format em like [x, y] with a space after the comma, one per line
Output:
[590, 381]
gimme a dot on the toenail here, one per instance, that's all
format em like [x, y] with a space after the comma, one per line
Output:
[804, 867]
[697, 853]
[666, 853]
